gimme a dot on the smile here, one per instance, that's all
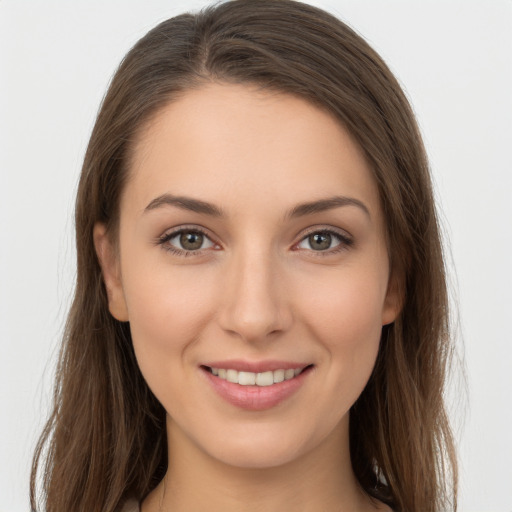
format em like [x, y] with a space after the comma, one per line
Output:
[267, 378]
[256, 391]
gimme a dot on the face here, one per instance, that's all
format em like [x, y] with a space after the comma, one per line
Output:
[251, 239]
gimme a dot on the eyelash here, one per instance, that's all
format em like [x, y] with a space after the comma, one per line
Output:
[345, 242]
[166, 237]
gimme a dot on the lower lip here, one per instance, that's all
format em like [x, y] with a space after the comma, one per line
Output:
[256, 398]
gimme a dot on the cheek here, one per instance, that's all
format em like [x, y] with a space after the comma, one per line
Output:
[346, 307]
[346, 319]
[168, 308]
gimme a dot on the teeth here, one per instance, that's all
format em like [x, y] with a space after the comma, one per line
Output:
[265, 379]
[278, 376]
[232, 376]
[246, 378]
[258, 379]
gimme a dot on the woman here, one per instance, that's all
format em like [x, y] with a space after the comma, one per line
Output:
[260, 316]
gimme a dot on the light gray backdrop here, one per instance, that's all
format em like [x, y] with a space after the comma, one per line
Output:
[453, 58]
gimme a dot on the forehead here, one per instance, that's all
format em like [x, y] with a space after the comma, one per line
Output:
[234, 144]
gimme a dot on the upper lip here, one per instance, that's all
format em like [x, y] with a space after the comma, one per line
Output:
[242, 365]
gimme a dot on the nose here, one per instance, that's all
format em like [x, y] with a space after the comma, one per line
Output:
[255, 306]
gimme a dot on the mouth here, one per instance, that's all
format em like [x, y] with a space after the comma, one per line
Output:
[256, 391]
[262, 379]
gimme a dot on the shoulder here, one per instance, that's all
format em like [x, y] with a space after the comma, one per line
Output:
[131, 506]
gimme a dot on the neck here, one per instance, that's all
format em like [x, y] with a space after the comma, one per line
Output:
[321, 479]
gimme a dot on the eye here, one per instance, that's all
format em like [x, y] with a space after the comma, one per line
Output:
[325, 241]
[186, 241]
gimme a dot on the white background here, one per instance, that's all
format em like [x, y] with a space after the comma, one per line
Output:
[454, 60]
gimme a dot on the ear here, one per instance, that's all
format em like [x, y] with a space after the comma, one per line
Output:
[110, 269]
[394, 300]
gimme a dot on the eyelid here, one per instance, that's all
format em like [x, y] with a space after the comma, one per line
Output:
[321, 228]
[173, 232]
[346, 240]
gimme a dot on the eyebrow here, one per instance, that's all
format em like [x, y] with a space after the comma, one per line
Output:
[322, 205]
[185, 203]
[300, 210]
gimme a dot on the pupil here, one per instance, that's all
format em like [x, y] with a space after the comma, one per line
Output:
[191, 241]
[320, 241]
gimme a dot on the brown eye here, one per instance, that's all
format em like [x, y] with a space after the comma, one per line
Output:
[186, 241]
[320, 241]
[325, 241]
[191, 240]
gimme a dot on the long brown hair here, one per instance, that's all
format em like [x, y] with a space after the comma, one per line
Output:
[105, 439]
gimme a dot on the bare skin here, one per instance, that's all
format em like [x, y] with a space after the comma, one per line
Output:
[267, 279]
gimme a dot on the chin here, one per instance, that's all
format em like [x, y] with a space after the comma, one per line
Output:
[257, 451]
[255, 458]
